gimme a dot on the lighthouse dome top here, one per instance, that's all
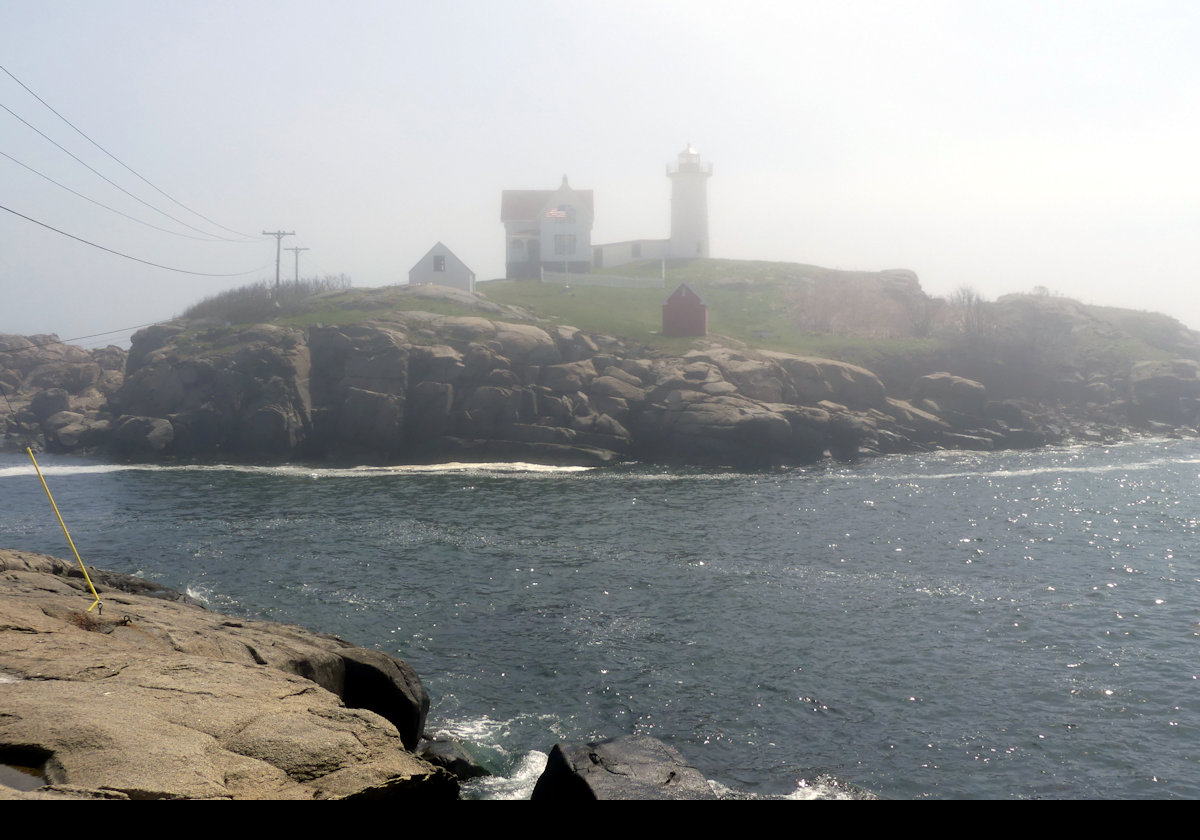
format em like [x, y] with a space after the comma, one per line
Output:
[689, 164]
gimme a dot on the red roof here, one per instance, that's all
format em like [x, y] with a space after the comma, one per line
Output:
[684, 294]
[518, 205]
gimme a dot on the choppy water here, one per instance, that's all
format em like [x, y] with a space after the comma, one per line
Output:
[949, 625]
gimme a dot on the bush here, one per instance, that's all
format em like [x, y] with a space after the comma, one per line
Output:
[262, 301]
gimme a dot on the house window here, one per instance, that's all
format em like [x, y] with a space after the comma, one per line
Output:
[439, 262]
[564, 243]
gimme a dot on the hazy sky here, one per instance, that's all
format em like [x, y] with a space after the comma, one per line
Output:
[1001, 145]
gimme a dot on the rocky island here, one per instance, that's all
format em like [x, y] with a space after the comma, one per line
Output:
[427, 374]
[155, 697]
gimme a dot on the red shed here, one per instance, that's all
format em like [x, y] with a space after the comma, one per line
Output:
[684, 313]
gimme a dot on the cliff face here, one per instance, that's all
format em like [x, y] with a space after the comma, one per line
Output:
[56, 392]
[428, 387]
[431, 387]
[416, 387]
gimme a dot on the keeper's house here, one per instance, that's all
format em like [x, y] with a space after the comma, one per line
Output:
[547, 230]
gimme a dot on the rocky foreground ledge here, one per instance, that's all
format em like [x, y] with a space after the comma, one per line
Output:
[154, 697]
[158, 698]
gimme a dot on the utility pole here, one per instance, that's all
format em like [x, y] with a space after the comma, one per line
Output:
[296, 252]
[278, 234]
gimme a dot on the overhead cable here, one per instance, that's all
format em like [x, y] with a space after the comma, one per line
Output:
[127, 256]
[205, 238]
[109, 180]
[33, 345]
[118, 160]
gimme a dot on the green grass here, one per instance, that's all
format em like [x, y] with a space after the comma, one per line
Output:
[346, 313]
[353, 306]
[749, 302]
[805, 310]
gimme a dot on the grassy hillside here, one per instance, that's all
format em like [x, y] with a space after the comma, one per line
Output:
[880, 320]
[793, 308]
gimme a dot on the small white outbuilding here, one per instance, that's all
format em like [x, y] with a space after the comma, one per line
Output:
[442, 268]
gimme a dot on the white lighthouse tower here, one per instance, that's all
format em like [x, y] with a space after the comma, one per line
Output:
[689, 205]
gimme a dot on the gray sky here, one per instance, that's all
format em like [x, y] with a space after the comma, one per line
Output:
[1001, 145]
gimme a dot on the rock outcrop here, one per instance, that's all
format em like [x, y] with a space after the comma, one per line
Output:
[430, 388]
[58, 393]
[156, 697]
[419, 387]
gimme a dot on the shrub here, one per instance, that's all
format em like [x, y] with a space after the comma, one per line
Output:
[262, 301]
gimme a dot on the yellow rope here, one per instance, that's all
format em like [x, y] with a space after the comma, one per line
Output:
[65, 531]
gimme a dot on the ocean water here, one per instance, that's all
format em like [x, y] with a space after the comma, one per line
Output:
[1000, 625]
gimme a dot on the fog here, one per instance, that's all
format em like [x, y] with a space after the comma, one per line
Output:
[1002, 146]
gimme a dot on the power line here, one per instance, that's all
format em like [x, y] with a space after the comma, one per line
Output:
[109, 180]
[118, 160]
[205, 238]
[34, 345]
[127, 256]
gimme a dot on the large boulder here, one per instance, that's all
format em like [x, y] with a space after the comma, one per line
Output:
[757, 378]
[693, 428]
[148, 340]
[630, 767]
[526, 344]
[815, 380]
[951, 393]
[48, 402]
[1166, 391]
[142, 438]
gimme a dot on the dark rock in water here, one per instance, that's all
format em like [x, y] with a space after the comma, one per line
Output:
[451, 756]
[630, 767]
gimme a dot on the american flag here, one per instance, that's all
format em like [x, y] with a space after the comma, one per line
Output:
[556, 213]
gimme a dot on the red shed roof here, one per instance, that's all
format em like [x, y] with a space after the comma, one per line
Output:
[684, 293]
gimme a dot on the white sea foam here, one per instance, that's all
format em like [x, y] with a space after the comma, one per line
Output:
[825, 787]
[507, 468]
[1055, 470]
[518, 784]
[481, 730]
[199, 593]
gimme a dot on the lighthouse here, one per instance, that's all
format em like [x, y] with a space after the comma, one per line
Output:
[689, 205]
